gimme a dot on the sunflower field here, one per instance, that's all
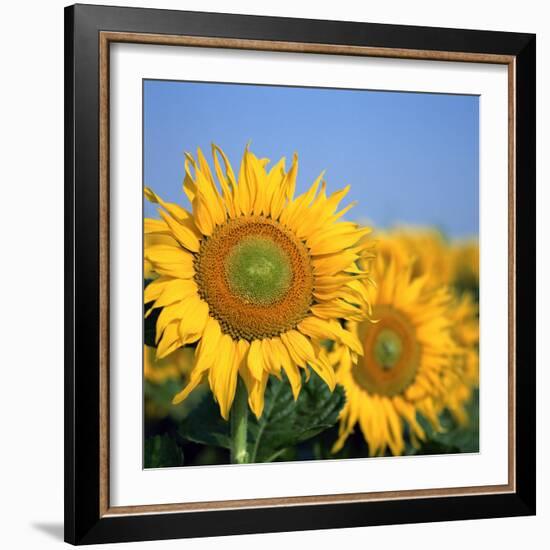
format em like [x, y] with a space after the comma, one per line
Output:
[277, 328]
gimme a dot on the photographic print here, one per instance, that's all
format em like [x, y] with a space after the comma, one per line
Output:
[300, 248]
[311, 273]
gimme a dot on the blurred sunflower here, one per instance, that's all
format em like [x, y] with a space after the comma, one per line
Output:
[448, 263]
[168, 371]
[426, 248]
[407, 349]
[174, 367]
[465, 332]
[465, 264]
[257, 277]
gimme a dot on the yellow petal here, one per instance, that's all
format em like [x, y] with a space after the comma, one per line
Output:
[290, 179]
[330, 329]
[184, 232]
[256, 181]
[297, 210]
[294, 354]
[171, 261]
[169, 342]
[203, 215]
[244, 195]
[255, 359]
[338, 309]
[223, 375]
[333, 282]
[206, 187]
[227, 182]
[302, 352]
[285, 191]
[194, 316]
[334, 240]
[344, 293]
[207, 348]
[395, 428]
[272, 363]
[291, 370]
[194, 381]
[154, 289]
[333, 263]
[150, 225]
[174, 290]
[168, 314]
[189, 185]
[321, 365]
[315, 216]
[256, 396]
[274, 181]
[174, 210]
[204, 359]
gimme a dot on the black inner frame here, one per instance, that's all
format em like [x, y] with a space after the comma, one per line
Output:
[83, 524]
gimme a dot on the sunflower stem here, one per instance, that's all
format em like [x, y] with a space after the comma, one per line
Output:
[239, 421]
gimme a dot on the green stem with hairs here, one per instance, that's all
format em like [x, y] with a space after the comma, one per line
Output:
[239, 421]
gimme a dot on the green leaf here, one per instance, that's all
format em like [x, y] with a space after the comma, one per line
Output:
[283, 424]
[454, 438]
[161, 451]
[465, 438]
[204, 425]
[436, 448]
[161, 395]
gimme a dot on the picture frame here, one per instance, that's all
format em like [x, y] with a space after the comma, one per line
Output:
[90, 32]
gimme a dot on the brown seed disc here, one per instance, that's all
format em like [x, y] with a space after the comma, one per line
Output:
[246, 246]
[387, 370]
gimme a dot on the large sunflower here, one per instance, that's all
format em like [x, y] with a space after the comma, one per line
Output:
[257, 277]
[407, 349]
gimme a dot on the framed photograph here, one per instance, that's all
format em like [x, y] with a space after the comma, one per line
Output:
[300, 274]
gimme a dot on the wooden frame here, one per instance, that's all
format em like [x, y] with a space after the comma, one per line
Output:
[88, 516]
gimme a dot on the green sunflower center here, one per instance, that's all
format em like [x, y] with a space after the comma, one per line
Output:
[388, 347]
[258, 270]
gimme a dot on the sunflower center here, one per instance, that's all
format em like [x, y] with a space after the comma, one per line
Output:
[391, 353]
[258, 270]
[256, 277]
[387, 348]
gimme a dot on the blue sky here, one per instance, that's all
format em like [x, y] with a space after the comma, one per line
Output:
[410, 158]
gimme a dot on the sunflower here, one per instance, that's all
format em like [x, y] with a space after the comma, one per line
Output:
[257, 278]
[465, 264]
[164, 373]
[426, 248]
[448, 263]
[407, 349]
[465, 332]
